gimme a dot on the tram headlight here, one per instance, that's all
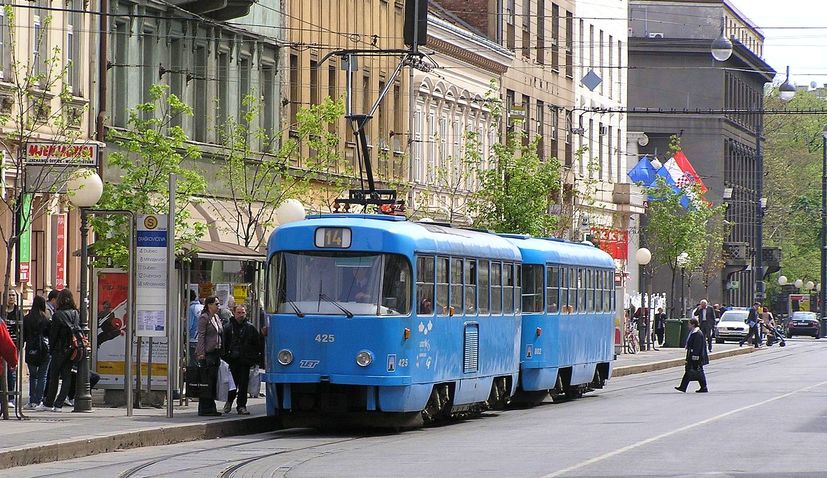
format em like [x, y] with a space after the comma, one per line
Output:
[285, 357]
[364, 358]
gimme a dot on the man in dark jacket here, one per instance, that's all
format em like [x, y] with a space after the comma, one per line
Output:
[696, 358]
[706, 318]
[243, 349]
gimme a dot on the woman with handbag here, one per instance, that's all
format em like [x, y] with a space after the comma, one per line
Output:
[696, 358]
[60, 336]
[36, 337]
[208, 353]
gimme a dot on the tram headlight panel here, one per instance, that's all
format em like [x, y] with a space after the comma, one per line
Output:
[285, 357]
[364, 358]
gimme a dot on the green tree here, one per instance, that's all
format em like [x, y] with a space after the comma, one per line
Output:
[792, 162]
[673, 229]
[252, 183]
[144, 155]
[516, 194]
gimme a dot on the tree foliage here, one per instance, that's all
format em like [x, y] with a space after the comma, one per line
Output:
[145, 154]
[792, 164]
[254, 183]
[516, 193]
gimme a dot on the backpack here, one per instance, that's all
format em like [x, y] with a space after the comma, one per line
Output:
[37, 350]
[78, 343]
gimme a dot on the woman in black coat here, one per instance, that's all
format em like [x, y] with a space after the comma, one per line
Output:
[36, 325]
[60, 334]
[696, 358]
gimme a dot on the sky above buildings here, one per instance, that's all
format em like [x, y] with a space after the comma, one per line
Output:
[796, 35]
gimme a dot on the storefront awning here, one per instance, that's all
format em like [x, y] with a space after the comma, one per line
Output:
[216, 250]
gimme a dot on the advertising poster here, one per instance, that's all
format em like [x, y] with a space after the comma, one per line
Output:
[222, 291]
[110, 315]
[240, 293]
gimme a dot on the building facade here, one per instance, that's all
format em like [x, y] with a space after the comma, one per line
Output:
[453, 115]
[47, 91]
[703, 101]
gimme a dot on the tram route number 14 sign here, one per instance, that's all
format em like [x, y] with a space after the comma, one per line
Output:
[151, 276]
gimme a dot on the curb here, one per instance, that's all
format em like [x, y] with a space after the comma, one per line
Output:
[664, 364]
[134, 439]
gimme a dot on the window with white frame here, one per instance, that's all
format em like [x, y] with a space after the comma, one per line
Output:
[73, 30]
[5, 45]
[120, 77]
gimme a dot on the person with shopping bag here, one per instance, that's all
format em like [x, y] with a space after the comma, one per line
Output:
[242, 351]
[208, 353]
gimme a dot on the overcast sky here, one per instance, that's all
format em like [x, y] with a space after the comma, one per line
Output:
[803, 49]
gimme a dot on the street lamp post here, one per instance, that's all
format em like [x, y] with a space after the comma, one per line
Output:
[644, 256]
[822, 293]
[85, 188]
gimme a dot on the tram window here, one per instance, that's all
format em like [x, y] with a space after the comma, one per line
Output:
[532, 289]
[275, 281]
[496, 288]
[587, 273]
[598, 290]
[396, 286]
[552, 289]
[456, 285]
[470, 286]
[564, 288]
[442, 285]
[518, 291]
[425, 285]
[581, 291]
[607, 291]
[483, 280]
[508, 288]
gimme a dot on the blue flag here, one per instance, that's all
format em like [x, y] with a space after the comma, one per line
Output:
[664, 173]
[643, 173]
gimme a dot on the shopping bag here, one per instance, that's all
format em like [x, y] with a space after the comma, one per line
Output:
[200, 382]
[225, 382]
[254, 388]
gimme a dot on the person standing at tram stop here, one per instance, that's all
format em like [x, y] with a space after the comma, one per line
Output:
[243, 349]
[660, 325]
[193, 313]
[208, 353]
[706, 317]
[644, 327]
[752, 322]
[696, 358]
[60, 368]
[8, 350]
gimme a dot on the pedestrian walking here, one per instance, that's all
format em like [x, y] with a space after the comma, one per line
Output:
[696, 358]
[752, 322]
[706, 318]
[660, 325]
[61, 330]
[208, 353]
[36, 325]
[243, 350]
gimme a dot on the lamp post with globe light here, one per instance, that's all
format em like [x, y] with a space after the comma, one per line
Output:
[644, 257]
[85, 188]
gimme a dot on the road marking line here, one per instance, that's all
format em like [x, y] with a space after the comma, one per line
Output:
[673, 432]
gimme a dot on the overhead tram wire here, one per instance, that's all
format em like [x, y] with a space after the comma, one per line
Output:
[703, 111]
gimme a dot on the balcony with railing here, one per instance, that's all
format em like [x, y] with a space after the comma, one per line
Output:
[220, 10]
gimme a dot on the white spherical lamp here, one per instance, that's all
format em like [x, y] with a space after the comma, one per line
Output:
[809, 285]
[643, 256]
[798, 283]
[290, 210]
[84, 188]
[782, 280]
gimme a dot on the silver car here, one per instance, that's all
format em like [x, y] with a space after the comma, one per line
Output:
[732, 326]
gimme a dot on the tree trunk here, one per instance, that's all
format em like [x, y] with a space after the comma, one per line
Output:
[672, 295]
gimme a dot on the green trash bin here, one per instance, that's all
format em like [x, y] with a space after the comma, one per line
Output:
[676, 332]
[673, 333]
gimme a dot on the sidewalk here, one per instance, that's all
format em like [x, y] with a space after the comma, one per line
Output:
[47, 436]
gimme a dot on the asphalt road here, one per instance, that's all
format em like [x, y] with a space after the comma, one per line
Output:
[765, 416]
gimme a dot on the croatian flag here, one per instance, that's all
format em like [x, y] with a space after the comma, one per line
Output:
[664, 173]
[689, 175]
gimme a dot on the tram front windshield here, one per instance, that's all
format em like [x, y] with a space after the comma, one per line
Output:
[337, 283]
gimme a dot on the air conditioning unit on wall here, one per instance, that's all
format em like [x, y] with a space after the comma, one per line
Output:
[656, 35]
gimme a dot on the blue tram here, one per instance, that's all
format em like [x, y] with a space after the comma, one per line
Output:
[371, 313]
[567, 316]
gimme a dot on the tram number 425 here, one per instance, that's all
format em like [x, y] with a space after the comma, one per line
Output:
[325, 338]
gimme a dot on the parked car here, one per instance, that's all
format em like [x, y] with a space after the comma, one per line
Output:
[732, 326]
[803, 323]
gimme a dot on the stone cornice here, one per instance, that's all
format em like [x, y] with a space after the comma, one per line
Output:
[469, 57]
